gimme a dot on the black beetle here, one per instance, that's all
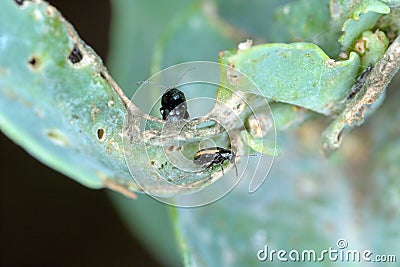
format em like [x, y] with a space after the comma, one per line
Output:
[212, 156]
[173, 101]
[173, 105]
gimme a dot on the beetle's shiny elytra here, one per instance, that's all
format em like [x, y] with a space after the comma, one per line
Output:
[173, 102]
[212, 156]
[173, 105]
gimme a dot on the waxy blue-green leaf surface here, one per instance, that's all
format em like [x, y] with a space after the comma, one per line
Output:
[376, 44]
[135, 61]
[136, 30]
[300, 74]
[252, 17]
[298, 21]
[65, 114]
[295, 209]
[307, 202]
[363, 17]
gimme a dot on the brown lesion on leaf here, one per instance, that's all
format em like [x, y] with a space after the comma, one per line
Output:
[360, 47]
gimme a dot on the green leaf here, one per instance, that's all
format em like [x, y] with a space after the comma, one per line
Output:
[135, 32]
[363, 17]
[392, 3]
[294, 209]
[374, 46]
[287, 116]
[56, 108]
[59, 102]
[300, 74]
[136, 27]
[265, 145]
[253, 17]
[298, 21]
[366, 96]
[192, 35]
[308, 202]
[56, 100]
[383, 198]
[171, 25]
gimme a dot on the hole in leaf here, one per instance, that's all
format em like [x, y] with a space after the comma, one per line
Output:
[20, 2]
[102, 75]
[101, 134]
[76, 55]
[34, 63]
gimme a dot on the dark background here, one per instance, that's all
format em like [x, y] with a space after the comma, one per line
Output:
[48, 219]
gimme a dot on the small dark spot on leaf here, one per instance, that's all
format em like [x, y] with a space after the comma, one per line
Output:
[100, 134]
[74, 116]
[171, 148]
[152, 162]
[20, 2]
[76, 55]
[34, 62]
[102, 75]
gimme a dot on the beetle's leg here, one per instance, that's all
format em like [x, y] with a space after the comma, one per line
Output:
[209, 165]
